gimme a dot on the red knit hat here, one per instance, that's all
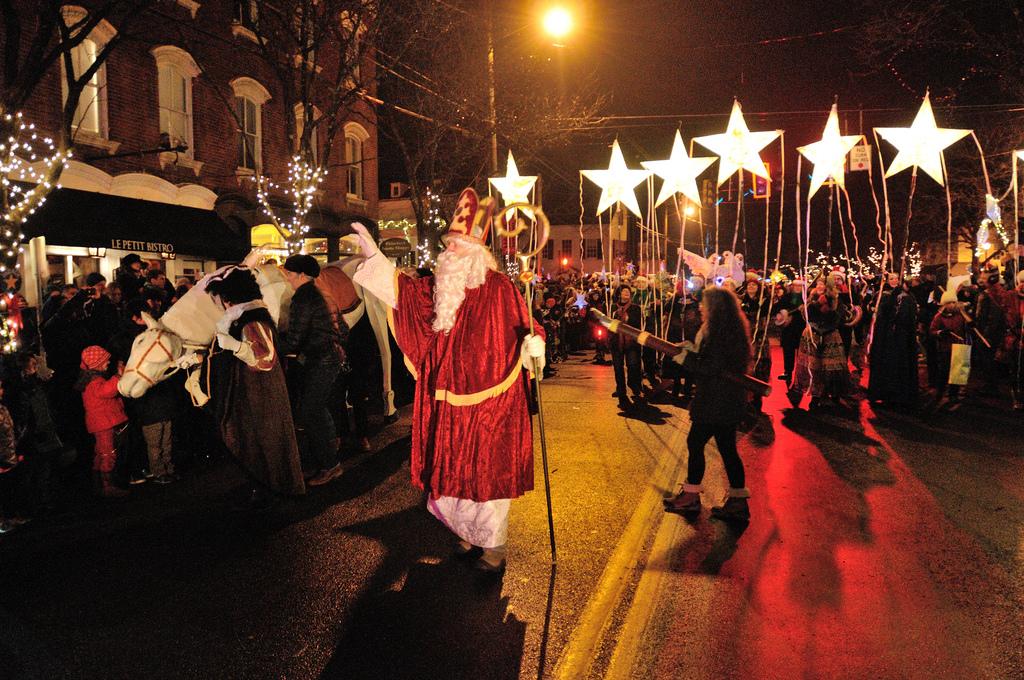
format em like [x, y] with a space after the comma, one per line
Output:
[94, 358]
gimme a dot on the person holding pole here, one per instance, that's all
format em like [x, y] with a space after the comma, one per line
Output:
[465, 334]
[722, 346]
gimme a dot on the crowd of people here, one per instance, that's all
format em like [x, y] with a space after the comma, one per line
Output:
[914, 337]
[830, 329]
[60, 400]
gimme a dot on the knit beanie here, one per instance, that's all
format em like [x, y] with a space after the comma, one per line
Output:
[94, 358]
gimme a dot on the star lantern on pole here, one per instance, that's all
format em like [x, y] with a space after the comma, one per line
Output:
[617, 182]
[829, 154]
[679, 173]
[921, 144]
[738, 148]
[513, 187]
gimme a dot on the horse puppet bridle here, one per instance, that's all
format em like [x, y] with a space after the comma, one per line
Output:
[158, 343]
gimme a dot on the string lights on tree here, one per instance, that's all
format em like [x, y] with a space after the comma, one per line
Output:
[303, 182]
[28, 164]
[426, 252]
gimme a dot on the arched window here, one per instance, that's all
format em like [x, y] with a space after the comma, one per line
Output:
[90, 118]
[355, 136]
[250, 97]
[175, 71]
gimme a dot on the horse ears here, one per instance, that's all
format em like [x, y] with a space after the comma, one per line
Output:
[150, 321]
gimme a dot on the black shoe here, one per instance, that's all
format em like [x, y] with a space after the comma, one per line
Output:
[625, 404]
[460, 552]
[784, 377]
[733, 510]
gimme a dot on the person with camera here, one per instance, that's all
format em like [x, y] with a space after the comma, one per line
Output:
[101, 315]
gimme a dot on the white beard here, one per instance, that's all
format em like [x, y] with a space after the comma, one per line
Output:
[454, 275]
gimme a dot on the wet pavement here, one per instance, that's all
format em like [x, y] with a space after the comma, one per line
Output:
[883, 544]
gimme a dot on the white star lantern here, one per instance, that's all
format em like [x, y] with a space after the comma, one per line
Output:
[513, 187]
[829, 153]
[617, 182]
[679, 173]
[738, 148]
[921, 144]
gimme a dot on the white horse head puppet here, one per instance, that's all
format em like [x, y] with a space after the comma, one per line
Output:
[189, 325]
[153, 358]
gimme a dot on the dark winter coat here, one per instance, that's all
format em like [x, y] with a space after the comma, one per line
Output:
[131, 285]
[893, 358]
[716, 401]
[312, 333]
[102, 319]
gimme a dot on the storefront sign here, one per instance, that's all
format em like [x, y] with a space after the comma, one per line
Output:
[395, 247]
[141, 246]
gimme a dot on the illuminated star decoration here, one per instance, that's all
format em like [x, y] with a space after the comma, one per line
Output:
[513, 187]
[829, 153]
[679, 172]
[738, 148]
[617, 182]
[921, 144]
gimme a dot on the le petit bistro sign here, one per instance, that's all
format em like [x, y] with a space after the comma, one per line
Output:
[141, 246]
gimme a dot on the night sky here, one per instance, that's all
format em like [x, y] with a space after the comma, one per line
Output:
[678, 65]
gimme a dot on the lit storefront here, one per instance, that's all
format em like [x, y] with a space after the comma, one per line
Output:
[94, 220]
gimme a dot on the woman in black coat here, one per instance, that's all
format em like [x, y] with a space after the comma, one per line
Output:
[722, 346]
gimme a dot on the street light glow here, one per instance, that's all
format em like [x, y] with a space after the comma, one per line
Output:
[558, 22]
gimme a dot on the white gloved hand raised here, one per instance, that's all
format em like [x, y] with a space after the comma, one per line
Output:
[228, 342]
[366, 242]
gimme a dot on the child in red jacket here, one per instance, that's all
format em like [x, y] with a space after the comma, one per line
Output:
[104, 412]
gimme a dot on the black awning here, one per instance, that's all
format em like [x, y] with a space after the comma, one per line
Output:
[87, 219]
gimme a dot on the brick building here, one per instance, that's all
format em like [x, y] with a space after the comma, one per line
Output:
[195, 208]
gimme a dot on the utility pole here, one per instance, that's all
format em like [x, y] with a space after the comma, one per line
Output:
[492, 112]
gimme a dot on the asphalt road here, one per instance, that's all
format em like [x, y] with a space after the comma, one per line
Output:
[882, 545]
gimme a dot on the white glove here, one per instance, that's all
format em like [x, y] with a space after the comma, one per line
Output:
[532, 354]
[189, 360]
[681, 357]
[534, 346]
[366, 242]
[228, 342]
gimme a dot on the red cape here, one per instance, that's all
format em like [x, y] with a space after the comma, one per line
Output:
[471, 433]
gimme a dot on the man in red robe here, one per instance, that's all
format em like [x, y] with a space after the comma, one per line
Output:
[465, 333]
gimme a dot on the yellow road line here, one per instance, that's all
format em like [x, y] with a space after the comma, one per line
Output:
[579, 653]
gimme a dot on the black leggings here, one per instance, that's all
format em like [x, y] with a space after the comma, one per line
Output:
[725, 438]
